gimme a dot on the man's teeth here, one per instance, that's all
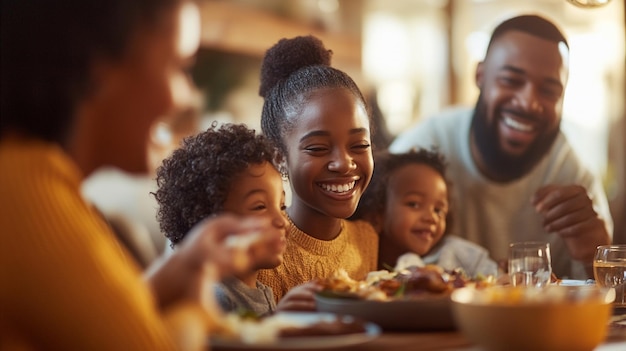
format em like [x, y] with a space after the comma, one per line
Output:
[338, 188]
[510, 122]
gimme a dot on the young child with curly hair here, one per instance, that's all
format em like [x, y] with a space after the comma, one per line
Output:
[318, 117]
[408, 202]
[226, 169]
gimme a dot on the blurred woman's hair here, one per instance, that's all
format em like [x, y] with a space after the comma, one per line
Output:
[48, 53]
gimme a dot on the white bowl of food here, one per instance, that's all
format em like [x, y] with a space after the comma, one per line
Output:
[553, 318]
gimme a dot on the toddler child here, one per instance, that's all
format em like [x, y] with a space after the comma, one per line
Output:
[226, 169]
[408, 202]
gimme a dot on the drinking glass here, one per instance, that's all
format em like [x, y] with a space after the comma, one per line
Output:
[609, 270]
[530, 263]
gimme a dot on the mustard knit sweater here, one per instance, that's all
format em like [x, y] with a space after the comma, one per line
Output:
[355, 249]
[65, 283]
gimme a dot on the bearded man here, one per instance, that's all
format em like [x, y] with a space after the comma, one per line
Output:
[514, 175]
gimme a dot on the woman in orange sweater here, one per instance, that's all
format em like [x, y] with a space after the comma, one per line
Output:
[81, 83]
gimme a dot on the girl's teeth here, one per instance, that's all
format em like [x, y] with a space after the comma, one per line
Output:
[341, 188]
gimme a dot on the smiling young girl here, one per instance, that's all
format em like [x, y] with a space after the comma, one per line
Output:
[318, 118]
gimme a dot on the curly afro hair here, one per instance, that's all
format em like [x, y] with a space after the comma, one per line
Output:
[291, 70]
[193, 183]
[288, 56]
[374, 199]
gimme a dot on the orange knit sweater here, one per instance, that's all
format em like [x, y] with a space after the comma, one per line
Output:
[355, 249]
[65, 283]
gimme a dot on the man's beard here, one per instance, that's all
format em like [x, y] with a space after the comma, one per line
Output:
[502, 166]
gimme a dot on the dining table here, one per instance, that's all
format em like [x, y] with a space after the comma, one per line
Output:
[449, 341]
[444, 340]
[454, 340]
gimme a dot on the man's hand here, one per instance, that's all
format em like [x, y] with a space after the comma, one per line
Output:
[568, 212]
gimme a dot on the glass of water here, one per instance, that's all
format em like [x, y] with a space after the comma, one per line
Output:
[609, 270]
[530, 263]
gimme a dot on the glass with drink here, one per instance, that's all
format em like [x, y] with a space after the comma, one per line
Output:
[609, 270]
[530, 263]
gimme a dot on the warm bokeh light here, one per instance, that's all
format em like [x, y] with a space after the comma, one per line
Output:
[405, 57]
[588, 3]
[386, 48]
[189, 40]
[328, 6]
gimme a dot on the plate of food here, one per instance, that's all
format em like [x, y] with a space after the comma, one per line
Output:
[413, 299]
[293, 331]
[574, 282]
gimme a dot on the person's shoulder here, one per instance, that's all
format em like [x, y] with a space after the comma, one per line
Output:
[459, 244]
[471, 257]
[361, 229]
[447, 115]
[25, 162]
[453, 112]
[562, 146]
[429, 130]
[228, 286]
[266, 288]
[360, 226]
[220, 289]
[268, 275]
[565, 165]
[223, 296]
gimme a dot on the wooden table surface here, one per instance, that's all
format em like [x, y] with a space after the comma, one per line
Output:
[420, 341]
[436, 341]
[448, 341]
[456, 341]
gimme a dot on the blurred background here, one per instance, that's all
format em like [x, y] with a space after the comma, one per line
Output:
[415, 57]
[412, 58]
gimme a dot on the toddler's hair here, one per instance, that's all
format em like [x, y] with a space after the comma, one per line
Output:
[374, 198]
[194, 182]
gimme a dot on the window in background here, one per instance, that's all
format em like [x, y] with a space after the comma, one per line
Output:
[407, 53]
[405, 56]
[595, 91]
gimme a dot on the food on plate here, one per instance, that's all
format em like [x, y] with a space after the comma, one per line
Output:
[408, 283]
[286, 325]
[338, 326]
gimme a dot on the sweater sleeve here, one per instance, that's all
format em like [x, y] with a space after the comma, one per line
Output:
[66, 283]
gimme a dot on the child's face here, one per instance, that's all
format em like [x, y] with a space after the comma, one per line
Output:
[258, 191]
[417, 205]
[330, 158]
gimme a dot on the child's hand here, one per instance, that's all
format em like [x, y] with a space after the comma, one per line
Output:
[300, 298]
[206, 256]
[227, 242]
